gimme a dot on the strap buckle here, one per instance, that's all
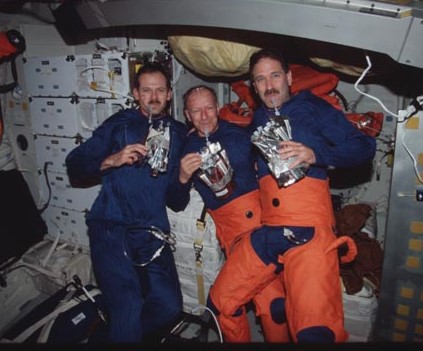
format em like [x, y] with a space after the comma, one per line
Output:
[198, 248]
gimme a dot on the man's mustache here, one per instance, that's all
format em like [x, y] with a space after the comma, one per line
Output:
[271, 91]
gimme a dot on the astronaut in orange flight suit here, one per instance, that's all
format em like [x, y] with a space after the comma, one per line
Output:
[235, 208]
[298, 220]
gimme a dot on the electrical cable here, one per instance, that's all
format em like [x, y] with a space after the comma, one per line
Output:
[369, 65]
[93, 86]
[48, 186]
[412, 108]
[158, 233]
[342, 98]
[193, 318]
[415, 164]
[214, 318]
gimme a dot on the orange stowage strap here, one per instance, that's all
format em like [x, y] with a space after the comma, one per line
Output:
[320, 84]
[352, 248]
[236, 217]
[234, 112]
[244, 93]
[307, 202]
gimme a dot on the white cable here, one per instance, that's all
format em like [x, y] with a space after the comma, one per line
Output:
[158, 233]
[214, 318]
[368, 95]
[379, 134]
[104, 90]
[175, 328]
[415, 165]
[402, 194]
[113, 92]
[156, 254]
[410, 110]
[94, 67]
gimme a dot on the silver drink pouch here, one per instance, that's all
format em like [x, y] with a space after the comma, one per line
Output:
[158, 142]
[216, 170]
[267, 139]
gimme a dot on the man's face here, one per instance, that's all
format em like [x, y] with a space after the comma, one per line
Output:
[152, 94]
[271, 82]
[201, 111]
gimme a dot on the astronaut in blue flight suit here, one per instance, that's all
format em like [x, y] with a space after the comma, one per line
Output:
[128, 224]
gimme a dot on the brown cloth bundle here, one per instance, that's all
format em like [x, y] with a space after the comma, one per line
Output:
[368, 263]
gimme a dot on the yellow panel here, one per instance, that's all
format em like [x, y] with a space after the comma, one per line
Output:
[412, 123]
[415, 245]
[25, 106]
[400, 324]
[418, 182]
[420, 159]
[408, 293]
[419, 329]
[413, 262]
[416, 227]
[137, 67]
[398, 337]
[419, 314]
[403, 310]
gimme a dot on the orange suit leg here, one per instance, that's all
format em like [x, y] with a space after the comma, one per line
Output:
[270, 308]
[313, 287]
[243, 276]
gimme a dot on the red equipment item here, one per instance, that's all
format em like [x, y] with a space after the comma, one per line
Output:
[234, 112]
[303, 77]
[320, 84]
[12, 43]
[369, 123]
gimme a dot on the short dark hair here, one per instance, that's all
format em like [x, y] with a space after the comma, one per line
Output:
[152, 67]
[196, 88]
[267, 53]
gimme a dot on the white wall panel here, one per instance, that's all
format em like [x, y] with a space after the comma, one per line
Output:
[53, 150]
[50, 76]
[96, 75]
[71, 117]
[65, 196]
[55, 116]
[68, 224]
[23, 146]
